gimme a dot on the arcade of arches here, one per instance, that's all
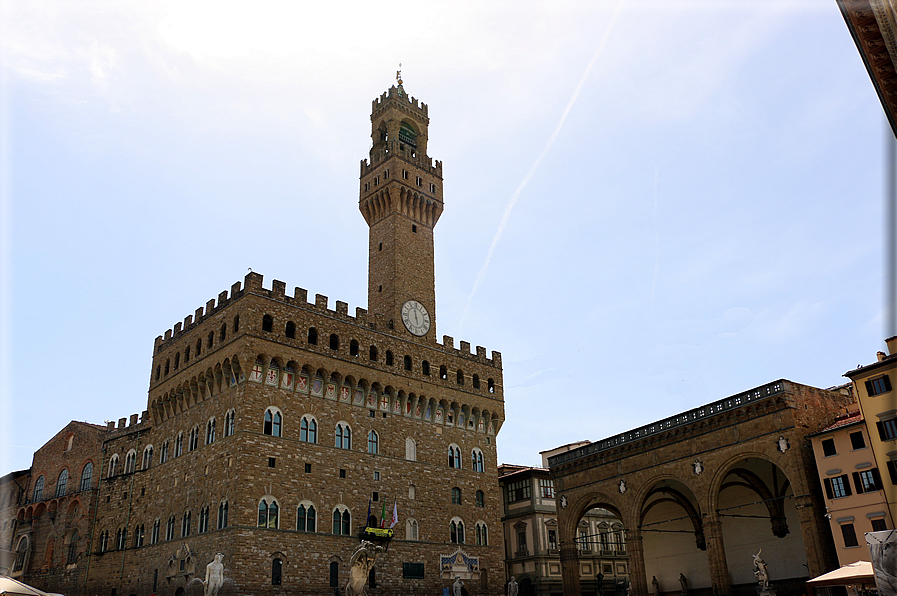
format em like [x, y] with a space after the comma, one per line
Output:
[700, 493]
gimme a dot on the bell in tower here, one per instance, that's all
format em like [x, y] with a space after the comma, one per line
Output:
[401, 201]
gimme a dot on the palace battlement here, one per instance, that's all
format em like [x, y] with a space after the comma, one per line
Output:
[252, 284]
[129, 424]
[393, 94]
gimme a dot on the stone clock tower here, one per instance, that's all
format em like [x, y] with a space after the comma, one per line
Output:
[401, 200]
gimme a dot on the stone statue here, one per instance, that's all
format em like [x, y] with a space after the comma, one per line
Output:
[683, 582]
[360, 566]
[214, 576]
[600, 584]
[760, 571]
[512, 587]
[656, 585]
[456, 587]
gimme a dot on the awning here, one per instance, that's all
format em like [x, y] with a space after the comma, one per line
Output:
[12, 587]
[859, 573]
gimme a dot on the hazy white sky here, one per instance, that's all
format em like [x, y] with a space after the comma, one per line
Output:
[648, 205]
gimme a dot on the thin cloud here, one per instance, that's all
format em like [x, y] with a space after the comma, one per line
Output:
[532, 170]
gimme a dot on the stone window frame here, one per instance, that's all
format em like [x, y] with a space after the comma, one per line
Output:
[456, 530]
[454, 456]
[456, 495]
[112, 469]
[170, 526]
[410, 449]
[308, 429]
[342, 435]
[373, 442]
[481, 533]
[223, 507]
[193, 445]
[272, 517]
[147, 461]
[230, 422]
[269, 427]
[476, 456]
[412, 529]
[309, 507]
[131, 461]
[345, 520]
[210, 430]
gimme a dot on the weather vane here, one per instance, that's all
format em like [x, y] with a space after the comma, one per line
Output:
[399, 74]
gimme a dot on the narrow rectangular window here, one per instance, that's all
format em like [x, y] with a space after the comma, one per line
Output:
[857, 441]
[849, 534]
[828, 447]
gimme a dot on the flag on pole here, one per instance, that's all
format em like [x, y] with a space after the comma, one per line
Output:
[367, 521]
[383, 515]
[395, 514]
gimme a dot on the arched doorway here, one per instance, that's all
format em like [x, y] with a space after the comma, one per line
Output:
[673, 538]
[756, 507]
[600, 539]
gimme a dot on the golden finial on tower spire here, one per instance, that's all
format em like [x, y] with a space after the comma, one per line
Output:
[399, 74]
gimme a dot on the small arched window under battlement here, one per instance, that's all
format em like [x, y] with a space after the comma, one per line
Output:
[267, 323]
[334, 341]
[313, 336]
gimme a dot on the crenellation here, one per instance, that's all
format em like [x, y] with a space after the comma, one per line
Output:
[465, 349]
[481, 354]
[278, 289]
[252, 282]
[342, 308]
[222, 299]
[197, 316]
[133, 420]
[210, 306]
[448, 341]
[301, 294]
[168, 335]
[110, 425]
[361, 314]
[321, 301]
[496, 359]
[177, 328]
[188, 321]
[121, 422]
[235, 289]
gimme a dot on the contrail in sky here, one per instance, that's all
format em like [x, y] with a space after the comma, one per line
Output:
[532, 170]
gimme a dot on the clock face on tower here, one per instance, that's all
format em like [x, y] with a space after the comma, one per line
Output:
[415, 317]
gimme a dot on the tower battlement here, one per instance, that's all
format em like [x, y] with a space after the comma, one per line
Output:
[253, 284]
[397, 94]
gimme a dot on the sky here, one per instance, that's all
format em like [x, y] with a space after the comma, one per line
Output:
[649, 206]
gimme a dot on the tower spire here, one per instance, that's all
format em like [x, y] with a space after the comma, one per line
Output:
[399, 74]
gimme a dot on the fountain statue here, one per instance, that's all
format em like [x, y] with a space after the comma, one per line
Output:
[214, 576]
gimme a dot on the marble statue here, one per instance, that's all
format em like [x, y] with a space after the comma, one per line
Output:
[456, 587]
[360, 566]
[761, 572]
[683, 582]
[214, 576]
[512, 587]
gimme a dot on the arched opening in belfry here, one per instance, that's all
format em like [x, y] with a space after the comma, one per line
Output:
[756, 507]
[601, 548]
[673, 538]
